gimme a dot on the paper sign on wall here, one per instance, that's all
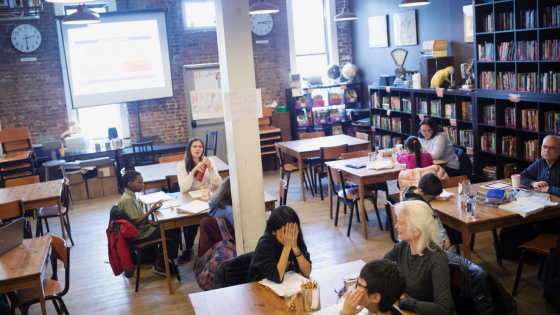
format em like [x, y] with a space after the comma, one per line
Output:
[243, 105]
[207, 104]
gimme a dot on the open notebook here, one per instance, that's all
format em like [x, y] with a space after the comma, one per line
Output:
[291, 280]
[153, 198]
[193, 207]
[528, 202]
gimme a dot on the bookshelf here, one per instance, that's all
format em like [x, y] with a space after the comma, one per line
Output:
[328, 108]
[516, 65]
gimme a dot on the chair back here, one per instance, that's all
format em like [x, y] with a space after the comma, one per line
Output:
[17, 139]
[337, 179]
[392, 220]
[363, 136]
[171, 158]
[65, 197]
[233, 271]
[172, 183]
[333, 153]
[464, 162]
[143, 153]
[283, 192]
[452, 181]
[312, 135]
[12, 209]
[52, 146]
[60, 252]
[21, 181]
[355, 154]
[280, 156]
[211, 142]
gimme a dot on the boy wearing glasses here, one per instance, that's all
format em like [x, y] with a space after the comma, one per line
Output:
[378, 288]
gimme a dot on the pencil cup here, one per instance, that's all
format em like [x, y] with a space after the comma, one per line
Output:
[311, 299]
[290, 295]
[205, 193]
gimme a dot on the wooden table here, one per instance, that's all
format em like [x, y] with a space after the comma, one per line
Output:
[24, 267]
[487, 218]
[35, 196]
[154, 175]
[253, 298]
[171, 219]
[309, 148]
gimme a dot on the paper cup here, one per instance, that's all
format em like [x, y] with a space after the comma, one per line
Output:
[516, 180]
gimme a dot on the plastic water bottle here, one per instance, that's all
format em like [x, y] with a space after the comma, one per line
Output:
[394, 155]
[471, 207]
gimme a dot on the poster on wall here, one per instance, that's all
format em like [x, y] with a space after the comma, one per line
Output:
[207, 104]
[378, 36]
[405, 28]
[468, 28]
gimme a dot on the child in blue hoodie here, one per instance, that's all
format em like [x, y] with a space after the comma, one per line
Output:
[220, 203]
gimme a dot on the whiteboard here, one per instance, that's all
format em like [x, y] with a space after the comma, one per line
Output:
[205, 97]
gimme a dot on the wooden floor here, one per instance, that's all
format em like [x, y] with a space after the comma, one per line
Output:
[94, 288]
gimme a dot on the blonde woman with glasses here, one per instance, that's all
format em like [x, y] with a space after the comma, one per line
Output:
[422, 261]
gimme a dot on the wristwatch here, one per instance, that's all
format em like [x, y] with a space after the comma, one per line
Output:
[547, 188]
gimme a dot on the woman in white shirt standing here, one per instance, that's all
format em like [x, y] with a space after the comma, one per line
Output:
[187, 171]
[434, 141]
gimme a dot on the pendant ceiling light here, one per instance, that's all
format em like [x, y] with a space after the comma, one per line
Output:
[413, 3]
[263, 7]
[67, 1]
[345, 15]
[82, 16]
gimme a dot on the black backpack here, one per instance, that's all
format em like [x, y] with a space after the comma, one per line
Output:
[551, 277]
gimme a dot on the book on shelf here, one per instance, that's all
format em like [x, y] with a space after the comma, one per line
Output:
[488, 142]
[508, 146]
[532, 150]
[527, 19]
[510, 117]
[435, 107]
[486, 51]
[506, 51]
[510, 169]
[551, 122]
[336, 129]
[395, 103]
[386, 102]
[396, 124]
[385, 123]
[406, 105]
[530, 119]
[549, 82]
[451, 133]
[489, 114]
[488, 23]
[526, 50]
[375, 100]
[489, 171]
[377, 141]
[551, 16]
[376, 121]
[505, 21]
[506, 81]
[434, 48]
[421, 106]
[386, 141]
[450, 111]
[395, 141]
[466, 138]
[486, 80]
[527, 82]
[550, 49]
[466, 109]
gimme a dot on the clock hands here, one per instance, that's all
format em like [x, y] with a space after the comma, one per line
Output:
[27, 43]
[266, 22]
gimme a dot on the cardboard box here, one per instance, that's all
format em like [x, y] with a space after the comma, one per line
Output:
[110, 186]
[79, 191]
[107, 170]
[75, 177]
[94, 187]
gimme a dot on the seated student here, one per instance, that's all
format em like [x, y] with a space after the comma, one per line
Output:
[429, 187]
[414, 155]
[187, 171]
[379, 286]
[422, 261]
[280, 249]
[147, 230]
[220, 203]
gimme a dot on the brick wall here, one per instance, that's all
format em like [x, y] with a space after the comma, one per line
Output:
[344, 36]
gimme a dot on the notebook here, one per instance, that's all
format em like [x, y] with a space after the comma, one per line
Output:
[445, 195]
[193, 207]
[153, 198]
[11, 235]
[291, 280]
[379, 165]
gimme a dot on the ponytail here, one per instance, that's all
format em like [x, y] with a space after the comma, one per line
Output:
[413, 144]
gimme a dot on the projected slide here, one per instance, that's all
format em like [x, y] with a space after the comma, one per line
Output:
[115, 57]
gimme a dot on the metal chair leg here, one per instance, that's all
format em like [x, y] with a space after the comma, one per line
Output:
[337, 210]
[518, 275]
[472, 242]
[357, 213]
[497, 247]
[374, 201]
[541, 267]
[350, 220]
[138, 263]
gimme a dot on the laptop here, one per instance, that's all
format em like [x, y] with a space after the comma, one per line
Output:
[11, 235]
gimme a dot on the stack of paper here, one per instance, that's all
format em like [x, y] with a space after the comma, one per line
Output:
[445, 195]
[193, 207]
[291, 280]
[525, 206]
[197, 193]
[379, 165]
[154, 198]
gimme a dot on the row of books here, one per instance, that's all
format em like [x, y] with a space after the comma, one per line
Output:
[506, 81]
[395, 103]
[375, 100]
[406, 105]
[466, 110]
[435, 106]
[386, 141]
[526, 50]
[451, 133]
[551, 122]
[510, 117]
[488, 23]
[530, 119]
[509, 169]
[551, 16]
[532, 150]
[549, 82]
[486, 51]
[486, 80]
[489, 171]
[506, 51]
[505, 21]
[550, 49]
[459, 137]
[489, 114]
[421, 106]
[527, 82]
[488, 142]
[527, 19]
[387, 123]
[508, 146]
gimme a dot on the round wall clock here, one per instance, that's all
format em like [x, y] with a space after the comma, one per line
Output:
[261, 24]
[26, 38]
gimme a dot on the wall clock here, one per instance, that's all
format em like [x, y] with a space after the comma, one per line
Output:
[261, 24]
[26, 38]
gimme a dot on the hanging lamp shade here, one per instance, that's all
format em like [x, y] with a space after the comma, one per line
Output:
[413, 3]
[263, 7]
[345, 15]
[84, 7]
[67, 1]
[81, 17]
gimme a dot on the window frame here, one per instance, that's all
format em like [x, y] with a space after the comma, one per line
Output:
[196, 28]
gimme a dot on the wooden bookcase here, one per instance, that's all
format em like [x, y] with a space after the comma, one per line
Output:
[486, 11]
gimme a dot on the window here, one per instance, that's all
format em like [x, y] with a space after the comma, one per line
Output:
[310, 29]
[199, 14]
[96, 121]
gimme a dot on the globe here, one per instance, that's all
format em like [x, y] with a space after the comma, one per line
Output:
[334, 72]
[349, 71]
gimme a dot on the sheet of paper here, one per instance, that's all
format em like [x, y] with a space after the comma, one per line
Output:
[243, 105]
[194, 207]
[379, 165]
[497, 185]
[153, 198]
[445, 195]
[196, 193]
[522, 206]
[169, 203]
[291, 280]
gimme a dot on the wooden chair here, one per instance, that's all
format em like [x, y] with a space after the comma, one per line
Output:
[288, 169]
[22, 181]
[139, 248]
[172, 183]
[54, 290]
[19, 156]
[171, 158]
[348, 196]
[327, 154]
[355, 154]
[541, 246]
[211, 142]
[143, 153]
[363, 136]
[11, 210]
[452, 181]
[315, 160]
[45, 213]
[391, 220]
[283, 192]
[373, 187]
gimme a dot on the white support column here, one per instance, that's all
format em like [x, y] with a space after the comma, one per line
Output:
[237, 71]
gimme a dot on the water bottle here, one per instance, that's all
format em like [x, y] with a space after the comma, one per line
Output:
[471, 207]
[394, 155]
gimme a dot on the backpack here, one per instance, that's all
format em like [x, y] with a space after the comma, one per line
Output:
[208, 264]
[551, 277]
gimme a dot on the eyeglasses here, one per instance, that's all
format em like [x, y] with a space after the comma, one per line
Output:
[358, 284]
[425, 131]
[544, 148]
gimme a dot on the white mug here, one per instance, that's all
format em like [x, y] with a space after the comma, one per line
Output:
[399, 147]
